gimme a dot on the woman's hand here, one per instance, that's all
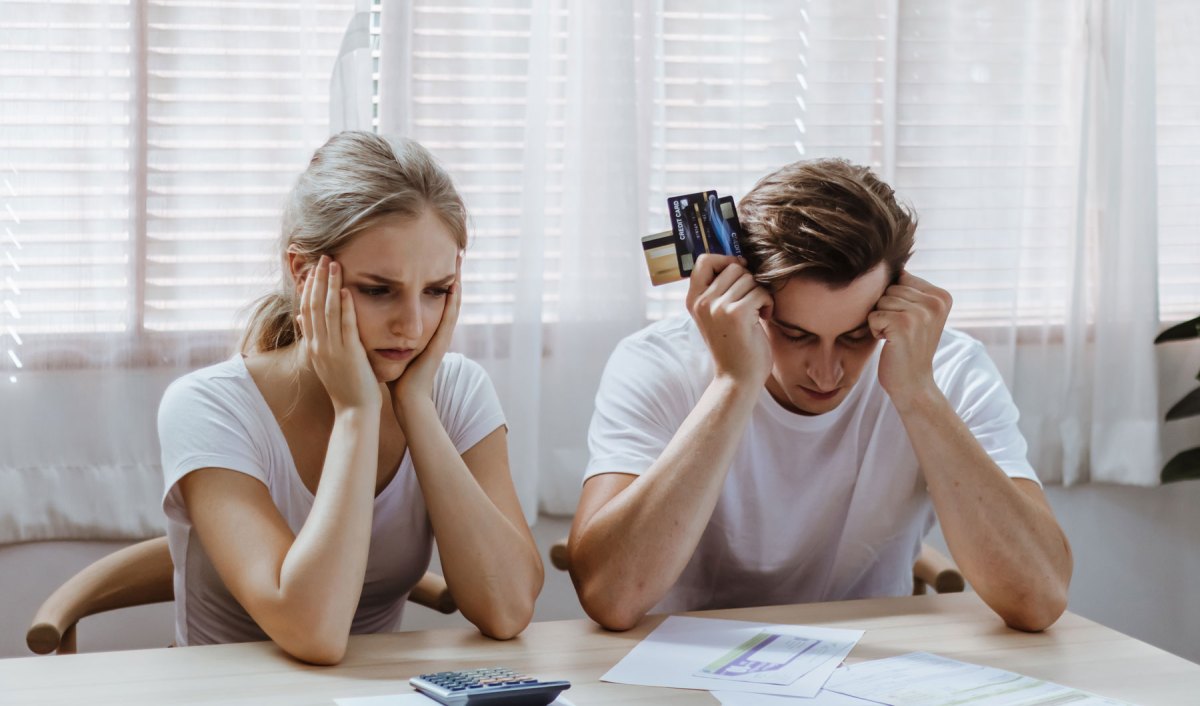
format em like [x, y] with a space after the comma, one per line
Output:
[416, 382]
[331, 340]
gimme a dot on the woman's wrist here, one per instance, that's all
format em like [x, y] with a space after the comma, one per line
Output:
[410, 407]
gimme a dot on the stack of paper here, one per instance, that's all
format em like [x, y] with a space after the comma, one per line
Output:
[922, 679]
[758, 664]
[736, 656]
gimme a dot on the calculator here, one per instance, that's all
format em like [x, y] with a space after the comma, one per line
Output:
[494, 686]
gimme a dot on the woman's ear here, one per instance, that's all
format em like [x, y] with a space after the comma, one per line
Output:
[298, 266]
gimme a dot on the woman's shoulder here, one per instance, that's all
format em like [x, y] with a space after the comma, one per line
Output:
[457, 368]
[465, 398]
[222, 385]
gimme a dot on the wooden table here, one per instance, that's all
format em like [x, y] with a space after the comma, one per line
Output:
[1075, 651]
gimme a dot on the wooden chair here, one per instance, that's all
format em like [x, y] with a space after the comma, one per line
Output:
[139, 575]
[932, 568]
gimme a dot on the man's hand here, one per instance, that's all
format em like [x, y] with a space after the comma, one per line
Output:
[726, 303]
[910, 316]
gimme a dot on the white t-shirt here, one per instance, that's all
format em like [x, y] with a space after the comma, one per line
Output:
[814, 508]
[216, 417]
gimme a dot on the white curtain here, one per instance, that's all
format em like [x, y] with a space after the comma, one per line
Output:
[1023, 133]
[147, 148]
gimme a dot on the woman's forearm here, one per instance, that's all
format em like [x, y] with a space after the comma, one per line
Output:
[491, 564]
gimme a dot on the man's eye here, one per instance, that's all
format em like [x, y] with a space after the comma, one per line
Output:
[373, 291]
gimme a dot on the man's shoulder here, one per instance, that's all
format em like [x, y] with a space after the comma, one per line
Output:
[666, 355]
[674, 329]
[672, 339]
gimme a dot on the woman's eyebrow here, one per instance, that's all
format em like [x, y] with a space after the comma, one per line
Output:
[447, 279]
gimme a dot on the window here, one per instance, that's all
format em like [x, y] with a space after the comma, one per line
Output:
[147, 148]
[1178, 60]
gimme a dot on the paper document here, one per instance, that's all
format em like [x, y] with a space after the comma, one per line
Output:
[923, 679]
[824, 698]
[409, 700]
[735, 656]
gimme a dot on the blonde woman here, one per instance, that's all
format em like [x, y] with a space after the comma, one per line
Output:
[308, 476]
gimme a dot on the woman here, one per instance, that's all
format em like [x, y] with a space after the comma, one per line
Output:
[304, 476]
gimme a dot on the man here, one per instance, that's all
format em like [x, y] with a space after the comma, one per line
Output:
[791, 440]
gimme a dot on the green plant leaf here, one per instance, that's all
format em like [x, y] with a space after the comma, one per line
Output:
[1189, 406]
[1185, 466]
[1181, 332]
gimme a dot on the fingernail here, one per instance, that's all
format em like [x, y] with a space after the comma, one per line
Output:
[333, 267]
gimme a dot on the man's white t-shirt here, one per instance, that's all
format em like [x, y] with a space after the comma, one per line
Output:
[814, 508]
[217, 418]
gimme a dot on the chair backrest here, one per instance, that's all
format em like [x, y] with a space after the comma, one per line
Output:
[141, 574]
[932, 568]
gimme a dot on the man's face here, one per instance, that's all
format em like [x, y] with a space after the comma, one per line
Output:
[820, 340]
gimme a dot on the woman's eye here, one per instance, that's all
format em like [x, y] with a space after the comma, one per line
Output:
[858, 338]
[438, 291]
[797, 339]
[373, 291]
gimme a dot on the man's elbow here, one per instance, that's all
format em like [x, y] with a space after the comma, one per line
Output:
[609, 608]
[1036, 613]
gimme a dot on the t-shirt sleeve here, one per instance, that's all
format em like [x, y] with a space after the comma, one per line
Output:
[642, 400]
[199, 427]
[466, 401]
[982, 400]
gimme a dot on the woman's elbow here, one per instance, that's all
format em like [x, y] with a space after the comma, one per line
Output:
[315, 650]
[315, 638]
[507, 623]
[608, 609]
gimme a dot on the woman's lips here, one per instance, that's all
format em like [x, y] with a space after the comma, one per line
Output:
[395, 353]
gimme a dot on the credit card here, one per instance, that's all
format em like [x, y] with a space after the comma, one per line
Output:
[734, 226]
[704, 222]
[667, 258]
[691, 222]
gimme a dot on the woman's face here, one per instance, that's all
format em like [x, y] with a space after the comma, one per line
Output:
[399, 273]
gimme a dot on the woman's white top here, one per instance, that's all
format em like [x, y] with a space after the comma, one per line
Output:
[217, 418]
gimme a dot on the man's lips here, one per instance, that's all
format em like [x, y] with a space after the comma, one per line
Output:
[395, 353]
[820, 395]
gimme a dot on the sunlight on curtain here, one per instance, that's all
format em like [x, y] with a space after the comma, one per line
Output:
[146, 148]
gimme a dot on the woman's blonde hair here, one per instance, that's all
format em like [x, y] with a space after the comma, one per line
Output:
[354, 180]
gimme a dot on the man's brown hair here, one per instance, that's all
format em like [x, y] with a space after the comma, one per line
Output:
[826, 219]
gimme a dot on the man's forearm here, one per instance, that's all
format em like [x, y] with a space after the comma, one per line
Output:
[1007, 542]
[631, 551]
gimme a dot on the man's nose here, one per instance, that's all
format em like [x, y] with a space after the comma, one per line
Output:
[825, 371]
